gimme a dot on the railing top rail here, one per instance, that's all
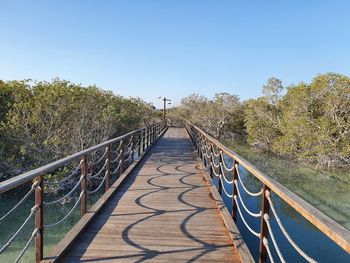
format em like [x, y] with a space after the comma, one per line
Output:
[339, 234]
[30, 175]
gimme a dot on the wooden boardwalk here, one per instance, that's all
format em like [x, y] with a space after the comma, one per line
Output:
[163, 212]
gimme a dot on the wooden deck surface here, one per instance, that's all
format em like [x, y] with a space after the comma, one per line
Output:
[164, 212]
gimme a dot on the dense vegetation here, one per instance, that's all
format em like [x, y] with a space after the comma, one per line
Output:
[309, 122]
[43, 121]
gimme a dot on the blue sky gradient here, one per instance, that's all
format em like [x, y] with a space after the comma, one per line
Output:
[173, 48]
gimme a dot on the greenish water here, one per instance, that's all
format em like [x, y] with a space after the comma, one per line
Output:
[52, 214]
[327, 190]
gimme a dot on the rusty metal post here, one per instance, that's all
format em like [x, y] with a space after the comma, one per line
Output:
[265, 209]
[39, 215]
[108, 165]
[234, 192]
[132, 152]
[144, 139]
[220, 182]
[83, 185]
[121, 168]
[140, 144]
[149, 136]
[211, 161]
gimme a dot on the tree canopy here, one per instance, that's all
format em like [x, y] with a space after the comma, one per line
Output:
[43, 121]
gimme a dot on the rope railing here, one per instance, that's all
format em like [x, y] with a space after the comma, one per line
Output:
[19, 230]
[100, 171]
[244, 221]
[116, 158]
[100, 159]
[212, 153]
[285, 233]
[225, 191]
[24, 249]
[119, 147]
[98, 187]
[66, 216]
[65, 196]
[130, 142]
[225, 166]
[223, 174]
[243, 204]
[116, 169]
[272, 235]
[244, 187]
[127, 152]
[65, 179]
[266, 244]
[32, 189]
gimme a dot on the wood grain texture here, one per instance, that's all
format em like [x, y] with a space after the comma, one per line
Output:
[164, 212]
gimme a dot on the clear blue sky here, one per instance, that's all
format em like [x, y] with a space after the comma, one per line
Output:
[151, 48]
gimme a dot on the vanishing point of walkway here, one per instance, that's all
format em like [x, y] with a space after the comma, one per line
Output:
[164, 212]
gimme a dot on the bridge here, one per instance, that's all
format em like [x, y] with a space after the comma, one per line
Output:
[161, 199]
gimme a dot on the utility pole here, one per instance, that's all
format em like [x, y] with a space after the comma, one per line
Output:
[165, 99]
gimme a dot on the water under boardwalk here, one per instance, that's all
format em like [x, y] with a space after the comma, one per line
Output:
[163, 212]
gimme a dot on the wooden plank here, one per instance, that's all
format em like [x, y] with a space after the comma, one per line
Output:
[71, 236]
[336, 232]
[164, 211]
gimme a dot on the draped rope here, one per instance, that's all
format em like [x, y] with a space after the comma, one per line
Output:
[267, 220]
[98, 188]
[66, 216]
[33, 235]
[266, 244]
[66, 178]
[19, 230]
[245, 223]
[34, 185]
[216, 174]
[117, 158]
[99, 160]
[116, 169]
[225, 166]
[216, 154]
[223, 175]
[66, 196]
[285, 233]
[223, 187]
[243, 204]
[243, 186]
[120, 145]
[100, 171]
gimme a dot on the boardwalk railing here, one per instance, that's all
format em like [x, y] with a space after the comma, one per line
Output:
[97, 166]
[216, 158]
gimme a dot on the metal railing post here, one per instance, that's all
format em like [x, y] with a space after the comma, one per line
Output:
[211, 161]
[140, 144]
[108, 166]
[144, 139]
[265, 208]
[121, 169]
[39, 245]
[234, 192]
[83, 185]
[132, 152]
[220, 172]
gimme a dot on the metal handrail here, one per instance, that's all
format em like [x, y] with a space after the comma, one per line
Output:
[30, 175]
[147, 135]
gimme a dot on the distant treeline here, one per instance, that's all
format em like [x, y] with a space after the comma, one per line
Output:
[44, 121]
[308, 121]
